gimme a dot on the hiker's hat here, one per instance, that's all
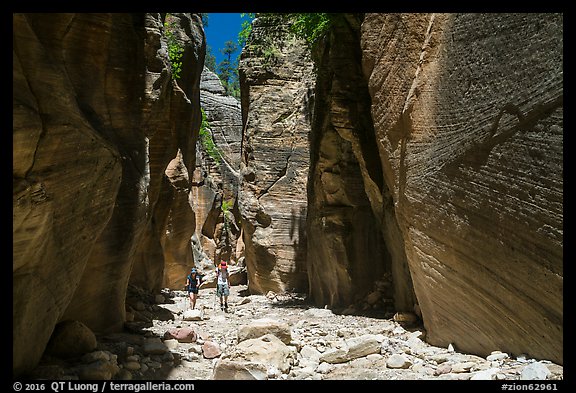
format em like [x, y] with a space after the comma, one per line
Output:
[193, 270]
[223, 265]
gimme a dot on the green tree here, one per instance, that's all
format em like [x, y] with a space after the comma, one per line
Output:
[311, 27]
[233, 88]
[228, 69]
[210, 59]
[246, 29]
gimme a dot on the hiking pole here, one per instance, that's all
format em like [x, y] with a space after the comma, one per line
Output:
[187, 295]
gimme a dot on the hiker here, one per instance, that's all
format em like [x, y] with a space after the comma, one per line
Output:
[193, 281]
[223, 285]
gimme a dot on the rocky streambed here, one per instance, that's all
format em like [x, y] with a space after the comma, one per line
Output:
[273, 337]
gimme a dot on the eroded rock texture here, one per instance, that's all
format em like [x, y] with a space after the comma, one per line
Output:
[174, 119]
[350, 248]
[97, 119]
[277, 81]
[174, 213]
[216, 175]
[468, 116]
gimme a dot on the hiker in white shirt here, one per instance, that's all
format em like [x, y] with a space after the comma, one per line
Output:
[223, 285]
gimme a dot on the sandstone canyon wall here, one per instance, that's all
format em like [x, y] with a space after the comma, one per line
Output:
[97, 120]
[276, 80]
[435, 171]
[353, 253]
[215, 186]
[468, 120]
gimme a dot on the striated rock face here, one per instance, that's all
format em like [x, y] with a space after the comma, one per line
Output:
[276, 80]
[350, 249]
[97, 119]
[224, 116]
[174, 203]
[144, 219]
[468, 117]
[215, 186]
[173, 113]
[56, 191]
[420, 169]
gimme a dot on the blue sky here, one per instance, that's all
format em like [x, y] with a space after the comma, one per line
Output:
[222, 27]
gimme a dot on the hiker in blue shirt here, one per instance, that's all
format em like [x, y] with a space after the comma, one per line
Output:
[193, 282]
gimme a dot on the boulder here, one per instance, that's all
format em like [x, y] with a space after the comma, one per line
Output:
[71, 339]
[268, 350]
[263, 326]
[182, 334]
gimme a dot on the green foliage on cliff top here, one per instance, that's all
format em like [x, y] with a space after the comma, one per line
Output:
[310, 27]
[246, 29]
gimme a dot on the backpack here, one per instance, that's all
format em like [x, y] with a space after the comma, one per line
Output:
[191, 280]
[225, 273]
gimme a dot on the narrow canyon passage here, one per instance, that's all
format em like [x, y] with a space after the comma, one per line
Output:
[400, 173]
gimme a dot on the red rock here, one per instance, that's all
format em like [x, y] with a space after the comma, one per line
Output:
[211, 350]
[183, 334]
